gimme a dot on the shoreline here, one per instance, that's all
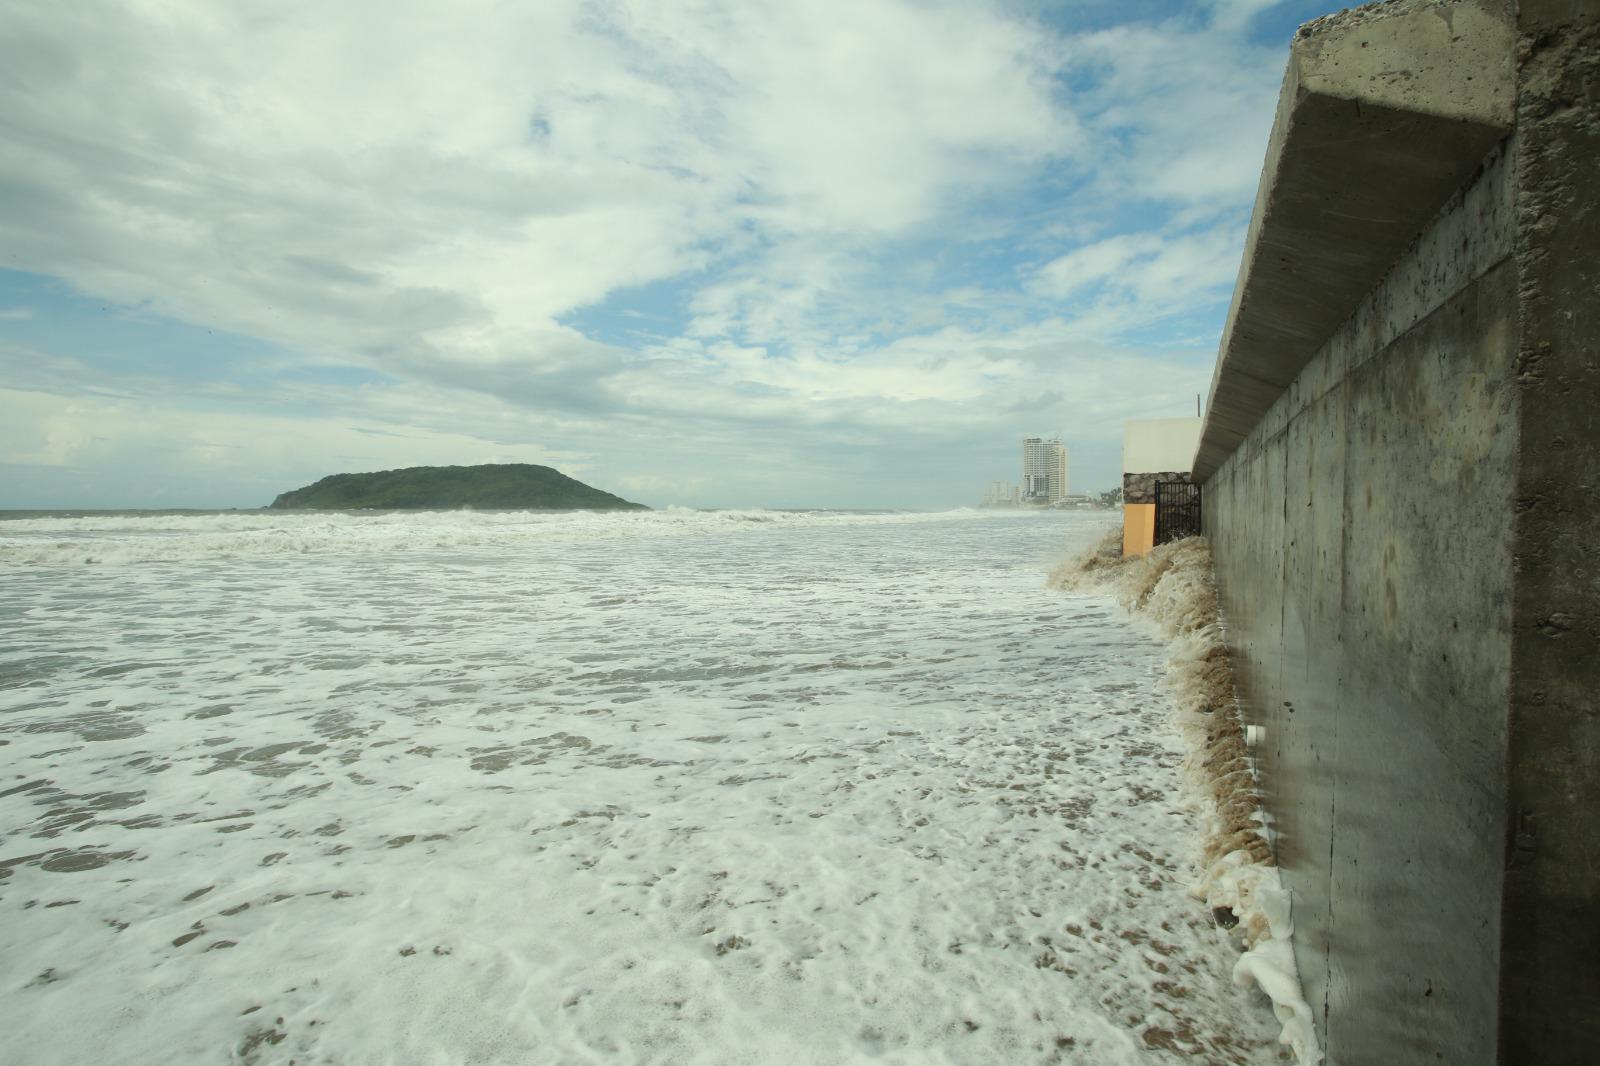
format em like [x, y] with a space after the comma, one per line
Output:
[1172, 593]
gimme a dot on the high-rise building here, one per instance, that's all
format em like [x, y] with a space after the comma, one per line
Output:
[1044, 470]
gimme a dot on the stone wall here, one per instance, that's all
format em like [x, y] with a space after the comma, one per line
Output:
[1141, 488]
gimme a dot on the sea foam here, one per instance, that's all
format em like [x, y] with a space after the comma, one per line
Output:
[1172, 593]
[484, 787]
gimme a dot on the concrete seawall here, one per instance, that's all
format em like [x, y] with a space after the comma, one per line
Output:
[1399, 461]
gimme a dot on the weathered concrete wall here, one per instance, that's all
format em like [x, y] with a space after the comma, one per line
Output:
[1551, 929]
[1363, 543]
[1384, 112]
[1405, 527]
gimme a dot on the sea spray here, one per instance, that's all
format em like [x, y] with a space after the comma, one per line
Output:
[1172, 591]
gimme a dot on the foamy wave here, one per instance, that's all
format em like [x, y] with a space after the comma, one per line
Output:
[1173, 592]
[123, 538]
[847, 791]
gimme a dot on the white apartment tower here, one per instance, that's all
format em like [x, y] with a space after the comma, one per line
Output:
[1044, 470]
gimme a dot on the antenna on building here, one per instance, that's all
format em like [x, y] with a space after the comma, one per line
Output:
[1197, 405]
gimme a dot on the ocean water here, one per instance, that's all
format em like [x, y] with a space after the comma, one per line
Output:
[677, 787]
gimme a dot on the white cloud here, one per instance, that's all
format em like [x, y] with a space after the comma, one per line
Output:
[1101, 263]
[431, 192]
[1134, 281]
[1178, 114]
[369, 174]
[84, 431]
[120, 442]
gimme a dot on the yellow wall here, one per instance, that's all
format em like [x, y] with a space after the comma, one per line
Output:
[1138, 528]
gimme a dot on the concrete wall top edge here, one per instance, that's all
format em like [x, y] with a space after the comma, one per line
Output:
[1450, 58]
[1385, 111]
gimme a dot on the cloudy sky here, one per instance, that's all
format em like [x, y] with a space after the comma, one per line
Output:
[697, 252]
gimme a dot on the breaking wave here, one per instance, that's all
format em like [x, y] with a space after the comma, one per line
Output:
[136, 538]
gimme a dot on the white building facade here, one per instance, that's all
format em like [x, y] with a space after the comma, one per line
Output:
[1150, 444]
[1044, 470]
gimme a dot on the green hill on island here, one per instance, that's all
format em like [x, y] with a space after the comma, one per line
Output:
[509, 486]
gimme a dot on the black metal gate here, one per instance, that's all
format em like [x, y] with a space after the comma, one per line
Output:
[1177, 510]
